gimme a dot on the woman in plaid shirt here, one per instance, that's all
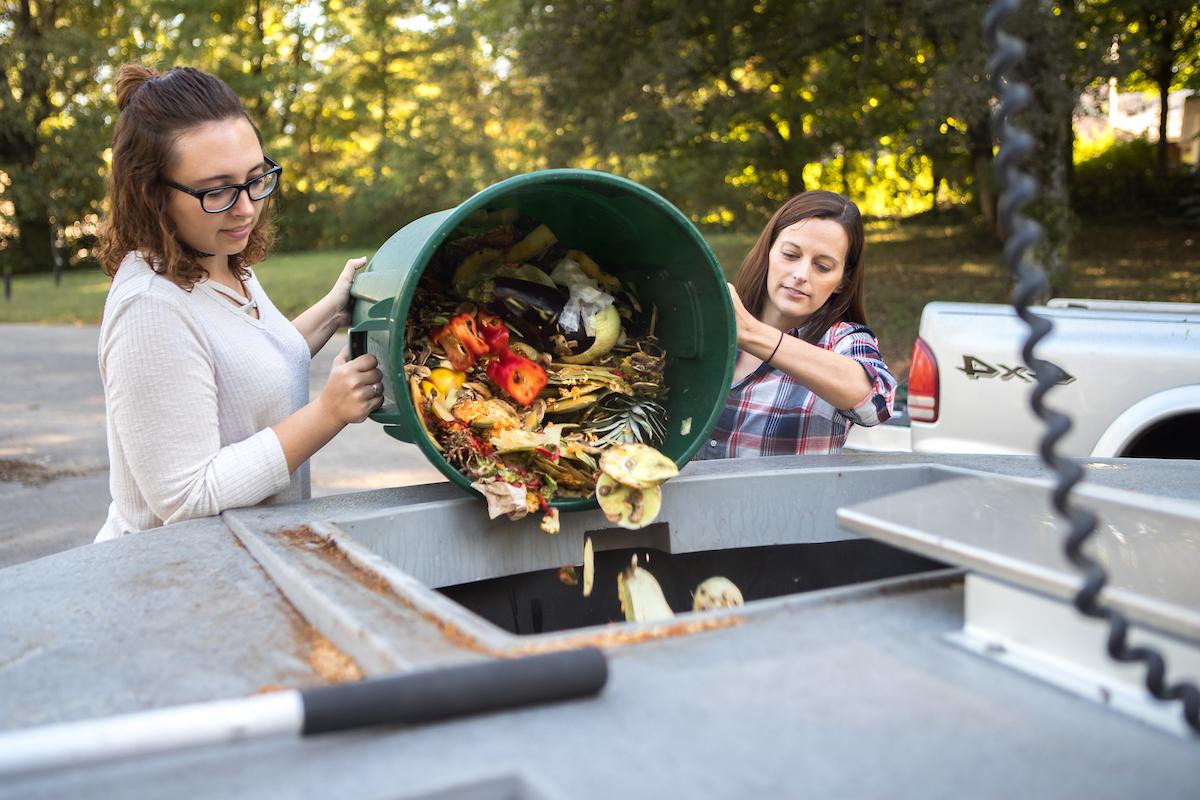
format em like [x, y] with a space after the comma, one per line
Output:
[807, 364]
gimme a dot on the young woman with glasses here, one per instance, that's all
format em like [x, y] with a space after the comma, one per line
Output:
[205, 382]
[808, 367]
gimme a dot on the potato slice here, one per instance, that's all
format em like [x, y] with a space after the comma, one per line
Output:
[639, 466]
[628, 506]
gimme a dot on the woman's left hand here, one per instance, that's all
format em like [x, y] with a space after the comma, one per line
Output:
[747, 323]
[339, 295]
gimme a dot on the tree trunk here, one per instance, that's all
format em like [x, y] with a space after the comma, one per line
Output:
[979, 145]
[1069, 150]
[1053, 208]
[31, 252]
[795, 180]
[933, 192]
[260, 51]
[1164, 95]
[1163, 40]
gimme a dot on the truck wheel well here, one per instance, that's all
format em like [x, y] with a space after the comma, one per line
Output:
[1178, 437]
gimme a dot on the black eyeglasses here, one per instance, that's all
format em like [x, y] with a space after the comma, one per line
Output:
[223, 198]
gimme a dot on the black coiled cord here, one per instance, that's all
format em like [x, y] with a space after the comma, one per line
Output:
[1020, 189]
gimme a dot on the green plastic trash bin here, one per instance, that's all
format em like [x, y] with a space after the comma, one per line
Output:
[633, 233]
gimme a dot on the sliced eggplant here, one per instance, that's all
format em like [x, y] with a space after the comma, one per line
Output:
[530, 308]
[626, 506]
[637, 465]
[717, 592]
[641, 597]
[589, 566]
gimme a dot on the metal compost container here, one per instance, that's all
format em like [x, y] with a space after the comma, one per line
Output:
[633, 233]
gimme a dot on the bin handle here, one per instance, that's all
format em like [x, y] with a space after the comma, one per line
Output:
[358, 335]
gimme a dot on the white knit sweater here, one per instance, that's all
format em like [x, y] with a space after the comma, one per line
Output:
[192, 383]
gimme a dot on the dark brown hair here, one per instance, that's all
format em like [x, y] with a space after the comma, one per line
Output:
[154, 111]
[848, 304]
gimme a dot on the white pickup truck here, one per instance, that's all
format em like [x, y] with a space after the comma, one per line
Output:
[1131, 389]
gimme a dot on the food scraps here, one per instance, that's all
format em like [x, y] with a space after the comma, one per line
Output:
[589, 566]
[641, 597]
[532, 367]
[716, 592]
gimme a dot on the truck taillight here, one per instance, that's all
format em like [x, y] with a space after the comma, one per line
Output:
[923, 384]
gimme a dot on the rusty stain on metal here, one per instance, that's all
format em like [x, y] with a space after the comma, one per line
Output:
[330, 663]
[618, 637]
[304, 537]
[610, 637]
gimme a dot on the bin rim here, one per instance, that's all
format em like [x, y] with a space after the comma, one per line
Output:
[403, 298]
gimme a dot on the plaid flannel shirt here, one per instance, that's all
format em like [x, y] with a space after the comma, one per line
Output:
[770, 413]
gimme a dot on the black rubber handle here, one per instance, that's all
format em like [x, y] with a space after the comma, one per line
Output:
[455, 691]
[358, 344]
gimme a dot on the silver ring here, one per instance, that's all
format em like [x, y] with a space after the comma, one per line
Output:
[378, 389]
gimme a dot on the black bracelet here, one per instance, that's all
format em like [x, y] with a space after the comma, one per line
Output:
[767, 360]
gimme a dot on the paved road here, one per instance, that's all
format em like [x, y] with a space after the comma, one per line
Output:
[54, 459]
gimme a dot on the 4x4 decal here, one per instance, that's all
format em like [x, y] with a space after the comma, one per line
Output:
[976, 368]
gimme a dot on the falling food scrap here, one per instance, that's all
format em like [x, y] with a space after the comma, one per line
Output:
[550, 523]
[589, 566]
[641, 597]
[628, 488]
[637, 466]
[567, 575]
[716, 592]
[627, 506]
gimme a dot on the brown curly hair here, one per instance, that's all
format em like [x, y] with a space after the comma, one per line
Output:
[848, 305]
[154, 111]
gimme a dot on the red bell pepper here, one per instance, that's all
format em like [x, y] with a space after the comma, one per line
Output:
[465, 327]
[494, 331]
[461, 341]
[459, 356]
[521, 378]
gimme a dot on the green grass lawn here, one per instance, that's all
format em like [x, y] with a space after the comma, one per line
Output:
[908, 265]
[294, 281]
